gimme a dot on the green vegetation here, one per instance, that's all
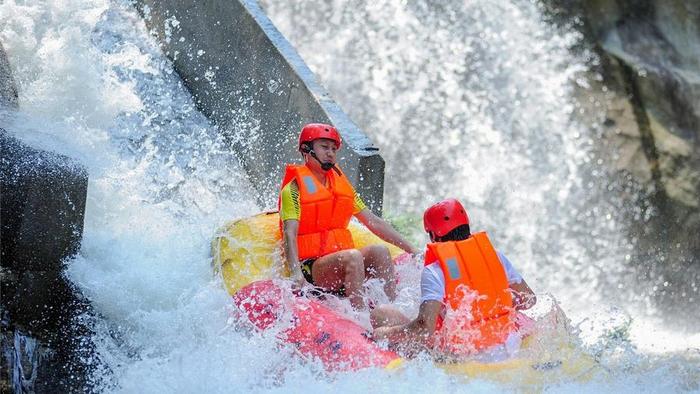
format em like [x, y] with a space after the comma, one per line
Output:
[408, 225]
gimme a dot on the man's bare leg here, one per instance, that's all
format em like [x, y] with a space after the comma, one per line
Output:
[378, 264]
[344, 268]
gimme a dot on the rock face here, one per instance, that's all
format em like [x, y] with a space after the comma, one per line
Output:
[655, 45]
[650, 57]
[651, 50]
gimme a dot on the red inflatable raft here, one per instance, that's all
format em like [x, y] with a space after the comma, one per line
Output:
[313, 328]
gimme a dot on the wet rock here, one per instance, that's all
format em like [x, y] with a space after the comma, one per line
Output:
[42, 208]
[626, 139]
[650, 59]
[659, 42]
[652, 53]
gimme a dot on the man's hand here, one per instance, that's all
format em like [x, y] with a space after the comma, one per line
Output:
[383, 230]
[381, 333]
[523, 296]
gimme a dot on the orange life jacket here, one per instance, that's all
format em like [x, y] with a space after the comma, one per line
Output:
[473, 263]
[325, 212]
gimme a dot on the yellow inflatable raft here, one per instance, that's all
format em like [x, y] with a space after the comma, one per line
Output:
[248, 250]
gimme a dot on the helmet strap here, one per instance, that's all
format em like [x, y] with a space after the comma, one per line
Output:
[325, 166]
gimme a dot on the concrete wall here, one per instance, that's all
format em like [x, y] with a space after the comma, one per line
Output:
[250, 81]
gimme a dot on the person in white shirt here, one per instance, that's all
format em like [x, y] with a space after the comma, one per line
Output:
[447, 224]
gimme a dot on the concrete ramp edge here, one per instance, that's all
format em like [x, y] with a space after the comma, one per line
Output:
[250, 81]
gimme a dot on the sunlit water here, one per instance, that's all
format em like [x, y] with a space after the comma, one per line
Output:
[456, 87]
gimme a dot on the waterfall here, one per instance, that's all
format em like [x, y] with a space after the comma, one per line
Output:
[489, 103]
[470, 99]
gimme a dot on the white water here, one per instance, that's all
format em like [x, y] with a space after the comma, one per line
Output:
[94, 85]
[476, 100]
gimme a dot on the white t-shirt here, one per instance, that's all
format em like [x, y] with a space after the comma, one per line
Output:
[432, 281]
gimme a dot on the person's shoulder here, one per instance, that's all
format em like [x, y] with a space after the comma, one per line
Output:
[290, 193]
[432, 283]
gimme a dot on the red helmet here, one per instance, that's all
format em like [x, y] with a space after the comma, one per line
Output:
[314, 131]
[444, 217]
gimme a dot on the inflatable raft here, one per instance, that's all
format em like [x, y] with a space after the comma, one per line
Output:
[247, 253]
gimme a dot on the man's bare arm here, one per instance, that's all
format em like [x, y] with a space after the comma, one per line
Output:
[290, 229]
[383, 230]
[414, 332]
[524, 297]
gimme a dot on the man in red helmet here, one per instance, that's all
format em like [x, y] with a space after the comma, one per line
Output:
[316, 204]
[465, 276]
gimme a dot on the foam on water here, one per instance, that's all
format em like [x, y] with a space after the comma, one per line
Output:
[94, 85]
